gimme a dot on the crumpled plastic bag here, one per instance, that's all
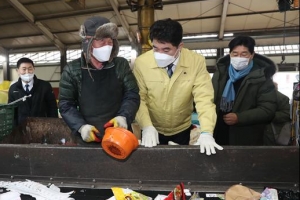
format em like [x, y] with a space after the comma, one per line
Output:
[195, 196]
[177, 193]
[10, 196]
[239, 192]
[36, 190]
[160, 197]
[269, 194]
[124, 194]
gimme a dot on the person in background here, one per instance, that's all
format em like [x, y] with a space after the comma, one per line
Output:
[245, 95]
[41, 103]
[170, 79]
[282, 115]
[99, 88]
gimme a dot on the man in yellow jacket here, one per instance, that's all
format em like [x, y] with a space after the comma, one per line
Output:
[170, 79]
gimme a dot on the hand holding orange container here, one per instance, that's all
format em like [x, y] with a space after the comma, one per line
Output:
[119, 142]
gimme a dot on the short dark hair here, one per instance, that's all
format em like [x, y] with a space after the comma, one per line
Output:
[24, 60]
[166, 30]
[246, 41]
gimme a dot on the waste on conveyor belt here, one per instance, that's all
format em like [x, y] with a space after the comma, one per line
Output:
[52, 192]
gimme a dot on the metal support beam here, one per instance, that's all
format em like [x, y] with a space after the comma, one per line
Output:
[290, 31]
[37, 2]
[50, 36]
[223, 19]
[6, 70]
[220, 53]
[123, 21]
[76, 4]
[93, 11]
[29, 16]
[63, 60]
[22, 10]
[145, 20]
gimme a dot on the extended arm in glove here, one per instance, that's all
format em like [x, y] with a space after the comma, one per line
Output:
[149, 136]
[88, 133]
[207, 143]
[118, 121]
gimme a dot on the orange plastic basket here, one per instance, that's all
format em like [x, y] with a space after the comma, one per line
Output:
[119, 142]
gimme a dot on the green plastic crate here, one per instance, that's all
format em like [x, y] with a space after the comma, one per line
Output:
[6, 119]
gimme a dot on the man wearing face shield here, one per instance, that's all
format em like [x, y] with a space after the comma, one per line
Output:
[245, 95]
[170, 79]
[98, 89]
[41, 103]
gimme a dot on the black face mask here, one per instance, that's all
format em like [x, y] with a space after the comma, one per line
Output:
[84, 45]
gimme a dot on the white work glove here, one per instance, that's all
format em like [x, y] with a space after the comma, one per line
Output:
[207, 143]
[172, 143]
[149, 136]
[88, 133]
[118, 121]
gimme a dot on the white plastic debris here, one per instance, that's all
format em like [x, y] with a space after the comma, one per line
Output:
[36, 190]
[63, 141]
[172, 143]
[10, 196]
[160, 197]
[187, 192]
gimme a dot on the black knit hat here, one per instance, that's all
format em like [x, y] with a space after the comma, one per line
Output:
[91, 24]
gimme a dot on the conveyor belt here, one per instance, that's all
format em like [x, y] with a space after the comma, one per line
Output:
[152, 169]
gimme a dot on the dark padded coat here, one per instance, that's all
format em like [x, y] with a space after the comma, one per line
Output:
[42, 103]
[282, 116]
[70, 91]
[255, 102]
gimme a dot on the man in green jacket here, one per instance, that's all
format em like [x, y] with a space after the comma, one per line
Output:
[245, 95]
[99, 87]
[170, 79]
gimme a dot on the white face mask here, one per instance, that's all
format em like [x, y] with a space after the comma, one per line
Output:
[239, 63]
[163, 59]
[26, 77]
[102, 54]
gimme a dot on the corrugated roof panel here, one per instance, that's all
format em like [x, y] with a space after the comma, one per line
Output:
[18, 30]
[131, 17]
[9, 13]
[235, 23]
[256, 21]
[197, 17]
